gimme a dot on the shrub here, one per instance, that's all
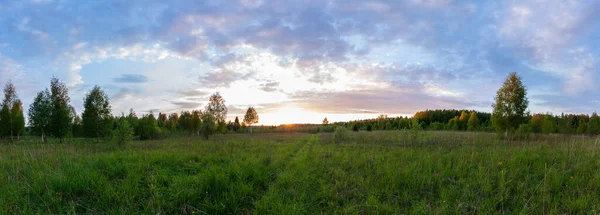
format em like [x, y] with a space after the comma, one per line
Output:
[355, 127]
[524, 131]
[369, 127]
[123, 133]
[340, 135]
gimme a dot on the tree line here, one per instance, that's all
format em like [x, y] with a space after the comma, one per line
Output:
[51, 115]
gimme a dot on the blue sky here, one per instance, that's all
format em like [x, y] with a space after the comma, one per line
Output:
[342, 59]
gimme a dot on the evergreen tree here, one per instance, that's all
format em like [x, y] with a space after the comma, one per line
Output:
[5, 121]
[236, 124]
[96, 116]
[18, 120]
[511, 105]
[7, 117]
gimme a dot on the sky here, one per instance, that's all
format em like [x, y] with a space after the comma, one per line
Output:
[299, 61]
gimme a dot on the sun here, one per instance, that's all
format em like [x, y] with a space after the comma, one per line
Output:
[288, 115]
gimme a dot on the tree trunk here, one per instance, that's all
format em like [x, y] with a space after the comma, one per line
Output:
[43, 137]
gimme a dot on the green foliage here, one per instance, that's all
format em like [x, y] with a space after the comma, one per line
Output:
[524, 132]
[448, 173]
[5, 121]
[511, 105]
[369, 127]
[340, 135]
[594, 125]
[12, 121]
[355, 127]
[149, 128]
[251, 117]
[236, 124]
[39, 114]
[436, 126]
[123, 132]
[548, 126]
[96, 116]
[216, 106]
[209, 126]
[473, 123]
[60, 115]
[325, 121]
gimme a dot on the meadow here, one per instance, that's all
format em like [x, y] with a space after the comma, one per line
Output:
[382, 172]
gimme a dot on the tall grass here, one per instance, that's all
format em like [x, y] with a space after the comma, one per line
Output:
[394, 172]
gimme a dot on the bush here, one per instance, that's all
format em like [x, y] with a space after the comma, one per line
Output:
[123, 133]
[355, 127]
[340, 135]
[369, 127]
[524, 131]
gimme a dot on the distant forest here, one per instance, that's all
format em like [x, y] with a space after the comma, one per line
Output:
[51, 115]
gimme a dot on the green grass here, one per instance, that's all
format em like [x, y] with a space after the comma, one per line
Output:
[393, 172]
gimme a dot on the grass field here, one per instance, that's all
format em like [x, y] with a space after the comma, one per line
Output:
[393, 172]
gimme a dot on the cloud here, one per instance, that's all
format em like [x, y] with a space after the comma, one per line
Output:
[131, 78]
[429, 51]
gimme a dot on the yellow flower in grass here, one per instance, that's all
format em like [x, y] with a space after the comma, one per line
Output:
[500, 163]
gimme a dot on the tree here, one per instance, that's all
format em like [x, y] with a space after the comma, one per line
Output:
[463, 120]
[594, 125]
[473, 123]
[216, 107]
[5, 121]
[96, 114]
[251, 117]
[123, 133]
[208, 126]
[39, 113]
[325, 121]
[6, 116]
[511, 105]
[548, 126]
[236, 124]
[60, 111]
[18, 120]
[149, 127]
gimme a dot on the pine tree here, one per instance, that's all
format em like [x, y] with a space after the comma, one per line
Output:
[18, 120]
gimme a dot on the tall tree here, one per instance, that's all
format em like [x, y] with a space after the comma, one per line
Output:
[60, 113]
[236, 124]
[251, 117]
[325, 121]
[473, 123]
[96, 116]
[216, 106]
[6, 116]
[39, 114]
[463, 120]
[5, 121]
[511, 105]
[18, 120]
